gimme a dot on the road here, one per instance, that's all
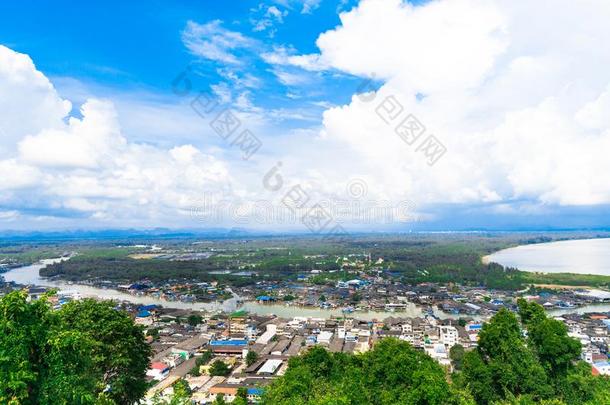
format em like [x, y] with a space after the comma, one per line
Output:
[183, 368]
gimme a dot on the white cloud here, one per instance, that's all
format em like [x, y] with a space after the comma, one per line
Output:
[595, 115]
[281, 55]
[88, 166]
[214, 42]
[16, 175]
[9, 216]
[28, 100]
[516, 91]
[266, 17]
[83, 143]
[288, 78]
[309, 6]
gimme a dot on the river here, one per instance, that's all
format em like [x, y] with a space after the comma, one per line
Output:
[30, 275]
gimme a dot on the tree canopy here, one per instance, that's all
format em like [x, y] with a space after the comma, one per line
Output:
[87, 352]
[392, 373]
[544, 367]
[251, 358]
[219, 368]
[521, 359]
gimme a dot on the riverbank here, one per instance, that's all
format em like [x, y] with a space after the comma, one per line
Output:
[577, 256]
[574, 263]
[29, 275]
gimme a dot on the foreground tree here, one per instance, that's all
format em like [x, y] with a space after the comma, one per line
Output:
[502, 363]
[392, 373]
[549, 339]
[120, 353]
[85, 353]
[508, 368]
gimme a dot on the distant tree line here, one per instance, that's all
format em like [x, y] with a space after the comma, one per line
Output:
[439, 260]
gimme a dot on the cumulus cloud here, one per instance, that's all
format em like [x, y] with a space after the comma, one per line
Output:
[83, 142]
[514, 90]
[85, 167]
[29, 101]
[517, 92]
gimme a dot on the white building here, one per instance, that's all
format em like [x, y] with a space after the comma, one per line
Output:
[270, 366]
[448, 336]
[324, 337]
[438, 352]
[268, 335]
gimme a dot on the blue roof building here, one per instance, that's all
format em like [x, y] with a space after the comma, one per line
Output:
[232, 342]
[255, 391]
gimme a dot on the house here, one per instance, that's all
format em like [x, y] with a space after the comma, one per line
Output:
[233, 346]
[438, 352]
[162, 386]
[254, 394]
[601, 368]
[158, 370]
[324, 337]
[173, 360]
[270, 367]
[448, 335]
[144, 317]
[269, 334]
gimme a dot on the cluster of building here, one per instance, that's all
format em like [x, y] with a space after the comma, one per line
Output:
[183, 291]
[593, 332]
[382, 294]
[229, 338]
[181, 339]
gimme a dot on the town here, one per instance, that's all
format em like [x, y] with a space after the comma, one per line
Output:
[224, 318]
[231, 354]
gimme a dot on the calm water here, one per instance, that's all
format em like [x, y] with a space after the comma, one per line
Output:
[587, 256]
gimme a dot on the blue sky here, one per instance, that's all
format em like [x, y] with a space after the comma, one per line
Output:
[138, 45]
[94, 134]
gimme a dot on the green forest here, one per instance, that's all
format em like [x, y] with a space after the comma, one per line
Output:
[410, 259]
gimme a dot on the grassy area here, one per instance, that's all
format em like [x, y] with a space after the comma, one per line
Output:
[567, 279]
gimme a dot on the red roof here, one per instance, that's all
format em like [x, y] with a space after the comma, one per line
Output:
[158, 366]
